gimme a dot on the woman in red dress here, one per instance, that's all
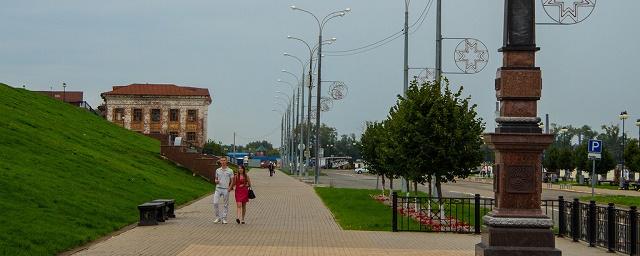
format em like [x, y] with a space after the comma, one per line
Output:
[241, 184]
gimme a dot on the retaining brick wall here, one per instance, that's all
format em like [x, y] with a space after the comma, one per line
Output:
[199, 164]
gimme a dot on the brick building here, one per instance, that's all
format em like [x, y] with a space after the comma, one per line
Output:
[71, 97]
[178, 111]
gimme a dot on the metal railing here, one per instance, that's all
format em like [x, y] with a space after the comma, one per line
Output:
[460, 215]
[600, 226]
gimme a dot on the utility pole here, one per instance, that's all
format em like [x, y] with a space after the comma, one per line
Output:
[318, 93]
[234, 142]
[301, 129]
[406, 71]
[406, 46]
[309, 112]
[438, 40]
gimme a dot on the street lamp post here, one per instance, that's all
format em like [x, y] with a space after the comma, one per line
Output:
[310, 86]
[321, 24]
[623, 116]
[64, 92]
[293, 102]
[290, 119]
[296, 122]
[638, 124]
[301, 165]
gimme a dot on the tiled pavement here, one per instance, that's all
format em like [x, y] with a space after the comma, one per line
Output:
[286, 218]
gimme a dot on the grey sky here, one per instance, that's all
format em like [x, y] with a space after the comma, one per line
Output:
[235, 48]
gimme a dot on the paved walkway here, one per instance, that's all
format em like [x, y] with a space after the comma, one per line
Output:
[286, 218]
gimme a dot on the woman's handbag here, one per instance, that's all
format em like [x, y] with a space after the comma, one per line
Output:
[251, 194]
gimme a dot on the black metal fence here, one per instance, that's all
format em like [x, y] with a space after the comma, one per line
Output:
[602, 226]
[460, 215]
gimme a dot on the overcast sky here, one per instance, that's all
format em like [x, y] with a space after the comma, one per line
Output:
[235, 48]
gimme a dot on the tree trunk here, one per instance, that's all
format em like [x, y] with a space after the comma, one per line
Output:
[383, 185]
[408, 186]
[415, 187]
[439, 189]
[390, 185]
[430, 188]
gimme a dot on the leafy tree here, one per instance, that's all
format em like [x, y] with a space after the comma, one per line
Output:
[566, 160]
[606, 164]
[254, 145]
[489, 155]
[213, 148]
[632, 156]
[373, 151]
[348, 145]
[436, 133]
[551, 159]
[612, 141]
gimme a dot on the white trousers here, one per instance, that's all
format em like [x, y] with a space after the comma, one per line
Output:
[224, 195]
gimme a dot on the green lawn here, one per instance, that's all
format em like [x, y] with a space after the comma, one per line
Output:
[618, 200]
[354, 209]
[68, 176]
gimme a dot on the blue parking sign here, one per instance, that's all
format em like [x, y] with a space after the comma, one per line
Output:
[595, 146]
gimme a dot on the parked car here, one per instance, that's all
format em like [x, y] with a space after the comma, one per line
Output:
[361, 170]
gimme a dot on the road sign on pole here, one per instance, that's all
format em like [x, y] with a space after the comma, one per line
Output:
[594, 149]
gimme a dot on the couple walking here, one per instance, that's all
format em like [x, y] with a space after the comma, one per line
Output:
[226, 181]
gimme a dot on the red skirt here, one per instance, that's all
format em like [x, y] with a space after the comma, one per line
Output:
[242, 194]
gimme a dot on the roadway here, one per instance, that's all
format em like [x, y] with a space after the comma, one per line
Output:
[348, 179]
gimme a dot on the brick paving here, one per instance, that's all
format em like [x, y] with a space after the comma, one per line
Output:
[286, 218]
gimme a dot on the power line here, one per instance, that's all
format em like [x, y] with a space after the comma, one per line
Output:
[387, 39]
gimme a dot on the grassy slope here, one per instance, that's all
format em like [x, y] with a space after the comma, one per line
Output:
[68, 177]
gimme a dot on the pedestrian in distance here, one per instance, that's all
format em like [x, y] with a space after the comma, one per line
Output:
[222, 179]
[241, 183]
[271, 169]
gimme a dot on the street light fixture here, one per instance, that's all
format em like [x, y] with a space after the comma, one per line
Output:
[64, 92]
[623, 116]
[321, 24]
[638, 124]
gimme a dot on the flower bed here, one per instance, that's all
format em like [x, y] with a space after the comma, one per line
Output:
[432, 219]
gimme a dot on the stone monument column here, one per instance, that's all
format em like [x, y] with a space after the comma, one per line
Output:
[517, 226]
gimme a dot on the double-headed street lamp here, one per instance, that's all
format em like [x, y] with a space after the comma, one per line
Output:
[623, 116]
[321, 24]
[310, 86]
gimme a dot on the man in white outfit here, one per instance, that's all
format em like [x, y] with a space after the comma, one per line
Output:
[222, 179]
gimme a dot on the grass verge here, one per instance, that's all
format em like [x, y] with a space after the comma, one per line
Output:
[354, 209]
[617, 200]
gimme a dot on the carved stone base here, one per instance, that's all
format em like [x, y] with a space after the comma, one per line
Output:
[517, 237]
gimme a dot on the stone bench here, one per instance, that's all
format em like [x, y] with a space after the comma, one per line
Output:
[151, 213]
[169, 207]
[606, 181]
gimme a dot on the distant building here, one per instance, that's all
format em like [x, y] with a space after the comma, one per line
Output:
[71, 97]
[178, 111]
